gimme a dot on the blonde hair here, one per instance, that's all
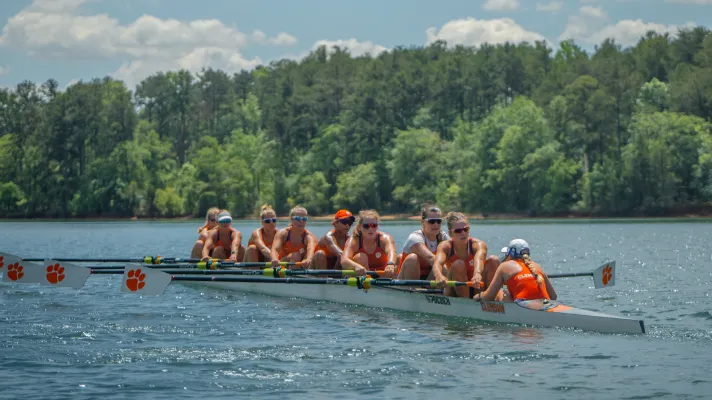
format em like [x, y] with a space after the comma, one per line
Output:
[363, 214]
[295, 209]
[265, 209]
[528, 262]
[211, 211]
[452, 218]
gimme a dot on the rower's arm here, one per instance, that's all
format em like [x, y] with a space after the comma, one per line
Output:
[330, 243]
[236, 240]
[209, 243]
[495, 285]
[259, 243]
[480, 256]
[423, 252]
[311, 245]
[390, 249]
[347, 261]
[277, 244]
[439, 260]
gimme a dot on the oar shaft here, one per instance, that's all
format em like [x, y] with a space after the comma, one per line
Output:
[571, 275]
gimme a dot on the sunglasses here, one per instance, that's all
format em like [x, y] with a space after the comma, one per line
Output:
[460, 230]
[213, 219]
[299, 218]
[269, 220]
[346, 221]
[433, 221]
[367, 226]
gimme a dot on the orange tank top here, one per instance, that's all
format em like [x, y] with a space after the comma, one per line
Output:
[220, 243]
[523, 285]
[469, 261]
[268, 244]
[288, 247]
[326, 249]
[376, 260]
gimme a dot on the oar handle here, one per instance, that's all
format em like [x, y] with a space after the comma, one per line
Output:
[570, 275]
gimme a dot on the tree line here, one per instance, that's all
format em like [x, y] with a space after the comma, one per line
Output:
[508, 128]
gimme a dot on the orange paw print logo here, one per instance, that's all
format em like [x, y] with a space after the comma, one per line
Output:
[2, 261]
[135, 281]
[14, 271]
[55, 274]
[607, 274]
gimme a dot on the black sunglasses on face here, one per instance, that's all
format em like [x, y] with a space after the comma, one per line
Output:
[346, 221]
[460, 230]
[433, 221]
[269, 220]
[366, 226]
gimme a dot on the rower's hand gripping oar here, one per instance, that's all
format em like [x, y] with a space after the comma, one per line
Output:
[603, 276]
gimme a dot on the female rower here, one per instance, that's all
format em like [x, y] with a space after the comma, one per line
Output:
[294, 243]
[224, 241]
[211, 222]
[419, 249]
[259, 246]
[331, 245]
[462, 256]
[525, 279]
[368, 248]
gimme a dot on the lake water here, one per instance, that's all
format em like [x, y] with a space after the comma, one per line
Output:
[198, 342]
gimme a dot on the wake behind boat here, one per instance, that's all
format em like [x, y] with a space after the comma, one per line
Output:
[362, 291]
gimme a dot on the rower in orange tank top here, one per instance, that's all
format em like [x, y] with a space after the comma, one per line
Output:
[469, 261]
[294, 243]
[331, 245]
[259, 246]
[368, 248]
[525, 279]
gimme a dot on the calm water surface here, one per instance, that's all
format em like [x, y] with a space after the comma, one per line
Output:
[198, 342]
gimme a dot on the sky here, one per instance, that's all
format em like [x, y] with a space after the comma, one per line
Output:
[74, 40]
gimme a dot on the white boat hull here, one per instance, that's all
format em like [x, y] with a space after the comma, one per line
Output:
[528, 313]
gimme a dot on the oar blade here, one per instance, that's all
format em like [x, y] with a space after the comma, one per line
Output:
[16, 270]
[145, 281]
[64, 274]
[605, 275]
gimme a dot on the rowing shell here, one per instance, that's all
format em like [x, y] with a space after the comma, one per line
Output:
[533, 312]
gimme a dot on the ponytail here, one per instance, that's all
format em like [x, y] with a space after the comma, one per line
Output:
[528, 262]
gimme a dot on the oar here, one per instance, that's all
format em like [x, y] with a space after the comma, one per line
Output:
[154, 282]
[156, 260]
[145, 260]
[603, 276]
[273, 272]
[202, 265]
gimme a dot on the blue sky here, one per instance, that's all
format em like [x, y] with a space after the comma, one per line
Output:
[71, 40]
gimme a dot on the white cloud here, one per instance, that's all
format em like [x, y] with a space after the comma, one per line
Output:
[58, 29]
[474, 32]
[4, 70]
[355, 47]
[551, 6]
[628, 32]
[501, 5]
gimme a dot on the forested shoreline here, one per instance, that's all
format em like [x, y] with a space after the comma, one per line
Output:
[498, 129]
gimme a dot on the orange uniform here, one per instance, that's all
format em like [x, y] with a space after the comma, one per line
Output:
[469, 261]
[332, 259]
[260, 256]
[376, 260]
[523, 286]
[225, 244]
[288, 247]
